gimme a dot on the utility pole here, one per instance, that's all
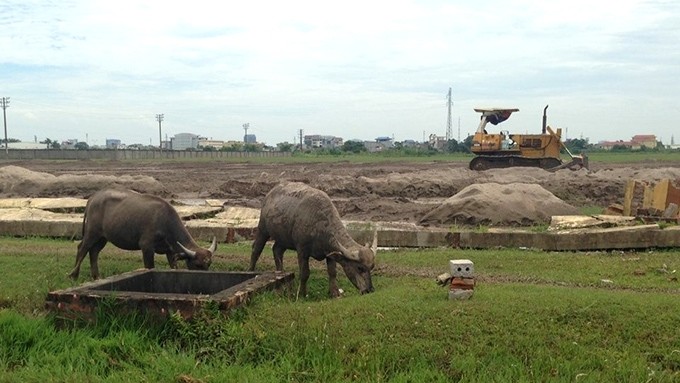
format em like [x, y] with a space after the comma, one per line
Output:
[159, 118]
[245, 135]
[5, 105]
[300, 140]
[448, 120]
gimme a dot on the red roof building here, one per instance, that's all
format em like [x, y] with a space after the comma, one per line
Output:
[636, 143]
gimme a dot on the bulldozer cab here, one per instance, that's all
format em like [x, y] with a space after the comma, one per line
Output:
[494, 116]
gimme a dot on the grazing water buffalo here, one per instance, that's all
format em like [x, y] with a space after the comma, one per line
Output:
[299, 217]
[134, 221]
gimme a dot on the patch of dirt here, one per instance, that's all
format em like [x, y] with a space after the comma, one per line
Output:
[394, 191]
[493, 204]
[17, 181]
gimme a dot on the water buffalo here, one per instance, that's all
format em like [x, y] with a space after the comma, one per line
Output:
[299, 217]
[134, 221]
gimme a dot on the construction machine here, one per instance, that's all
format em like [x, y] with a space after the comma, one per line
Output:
[504, 149]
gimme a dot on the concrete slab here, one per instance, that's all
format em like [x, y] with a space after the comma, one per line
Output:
[188, 212]
[30, 214]
[64, 205]
[233, 224]
[568, 222]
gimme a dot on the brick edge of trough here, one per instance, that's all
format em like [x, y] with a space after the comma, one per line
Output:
[649, 236]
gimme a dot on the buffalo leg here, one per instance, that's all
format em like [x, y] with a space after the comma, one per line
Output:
[303, 263]
[332, 278]
[258, 246]
[147, 256]
[278, 251]
[172, 259]
[94, 257]
[83, 248]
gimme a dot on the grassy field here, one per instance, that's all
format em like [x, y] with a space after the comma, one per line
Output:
[534, 316]
[599, 157]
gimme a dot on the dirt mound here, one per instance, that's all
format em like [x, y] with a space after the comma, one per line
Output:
[19, 182]
[493, 204]
[385, 191]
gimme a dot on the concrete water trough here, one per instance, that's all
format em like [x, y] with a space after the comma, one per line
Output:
[162, 292]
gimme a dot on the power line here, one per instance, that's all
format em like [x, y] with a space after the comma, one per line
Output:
[5, 105]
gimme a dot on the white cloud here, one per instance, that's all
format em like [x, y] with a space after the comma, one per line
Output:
[354, 69]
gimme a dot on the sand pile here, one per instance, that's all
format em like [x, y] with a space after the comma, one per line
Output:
[19, 182]
[493, 204]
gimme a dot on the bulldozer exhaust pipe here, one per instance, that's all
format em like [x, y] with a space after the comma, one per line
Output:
[545, 119]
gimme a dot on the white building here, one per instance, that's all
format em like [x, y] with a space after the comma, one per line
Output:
[184, 141]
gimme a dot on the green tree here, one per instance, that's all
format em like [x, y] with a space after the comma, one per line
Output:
[51, 144]
[453, 146]
[353, 147]
[467, 143]
[82, 145]
[251, 148]
[284, 146]
[577, 145]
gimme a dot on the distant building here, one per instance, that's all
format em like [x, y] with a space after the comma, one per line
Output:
[24, 145]
[437, 142]
[113, 143]
[249, 139]
[373, 146]
[184, 141]
[69, 144]
[204, 143]
[380, 144]
[646, 140]
[636, 143]
[385, 141]
[316, 141]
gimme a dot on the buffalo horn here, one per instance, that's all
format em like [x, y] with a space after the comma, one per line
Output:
[213, 246]
[346, 253]
[189, 253]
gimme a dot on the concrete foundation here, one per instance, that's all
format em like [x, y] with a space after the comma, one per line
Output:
[21, 218]
[162, 292]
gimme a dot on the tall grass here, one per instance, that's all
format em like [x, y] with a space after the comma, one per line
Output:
[534, 316]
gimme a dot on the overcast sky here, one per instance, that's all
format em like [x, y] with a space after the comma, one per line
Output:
[93, 70]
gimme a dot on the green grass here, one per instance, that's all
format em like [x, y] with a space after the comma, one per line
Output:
[534, 316]
[595, 157]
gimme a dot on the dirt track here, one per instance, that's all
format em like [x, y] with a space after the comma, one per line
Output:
[396, 191]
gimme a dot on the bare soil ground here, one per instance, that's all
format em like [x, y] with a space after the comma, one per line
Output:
[394, 191]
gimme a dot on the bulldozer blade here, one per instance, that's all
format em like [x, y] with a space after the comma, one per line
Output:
[577, 162]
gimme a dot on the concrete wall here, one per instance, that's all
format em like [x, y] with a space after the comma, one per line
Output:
[122, 154]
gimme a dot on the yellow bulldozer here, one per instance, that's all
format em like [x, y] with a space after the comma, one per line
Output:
[504, 149]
